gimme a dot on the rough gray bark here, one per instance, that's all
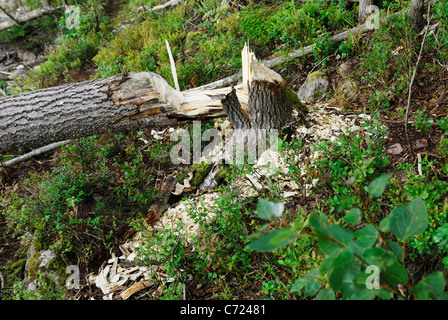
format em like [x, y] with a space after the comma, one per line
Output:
[416, 12]
[268, 108]
[81, 109]
[363, 12]
[232, 108]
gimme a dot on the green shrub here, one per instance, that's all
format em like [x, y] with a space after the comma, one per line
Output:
[354, 266]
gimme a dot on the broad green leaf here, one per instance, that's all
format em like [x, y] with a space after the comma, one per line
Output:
[353, 216]
[430, 287]
[337, 237]
[347, 203]
[396, 249]
[384, 224]
[409, 220]
[331, 259]
[342, 278]
[269, 210]
[364, 294]
[341, 256]
[390, 269]
[326, 294]
[377, 186]
[384, 294]
[319, 224]
[274, 240]
[330, 236]
[298, 285]
[302, 281]
[313, 273]
[312, 286]
[366, 236]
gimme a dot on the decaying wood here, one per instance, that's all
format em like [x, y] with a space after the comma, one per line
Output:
[7, 55]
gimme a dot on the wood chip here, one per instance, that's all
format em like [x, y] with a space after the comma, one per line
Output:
[136, 287]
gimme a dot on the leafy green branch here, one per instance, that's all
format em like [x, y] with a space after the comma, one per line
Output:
[356, 264]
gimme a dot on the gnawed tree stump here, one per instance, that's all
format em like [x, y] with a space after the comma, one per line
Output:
[270, 103]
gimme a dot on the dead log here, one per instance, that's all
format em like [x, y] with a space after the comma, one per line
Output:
[136, 287]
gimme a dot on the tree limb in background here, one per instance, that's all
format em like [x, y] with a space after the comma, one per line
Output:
[26, 17]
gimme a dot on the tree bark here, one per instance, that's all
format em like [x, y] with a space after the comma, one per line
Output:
[416, 12]
[233, 110]
[363, 12]
[268, 106]
[77, 110]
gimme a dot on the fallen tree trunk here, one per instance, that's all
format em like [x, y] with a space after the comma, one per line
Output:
[122, 103]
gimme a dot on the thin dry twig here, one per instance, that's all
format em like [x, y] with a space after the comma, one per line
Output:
[412, 81]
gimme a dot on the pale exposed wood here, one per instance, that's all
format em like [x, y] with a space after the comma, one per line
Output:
[165, 5]
[136, 287]
[173, 66]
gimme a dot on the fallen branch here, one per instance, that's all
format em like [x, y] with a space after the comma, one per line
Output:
[27, 17]
[34, 153]
[167, 4]
[136, 287]
[7, 55]
[231, 80]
